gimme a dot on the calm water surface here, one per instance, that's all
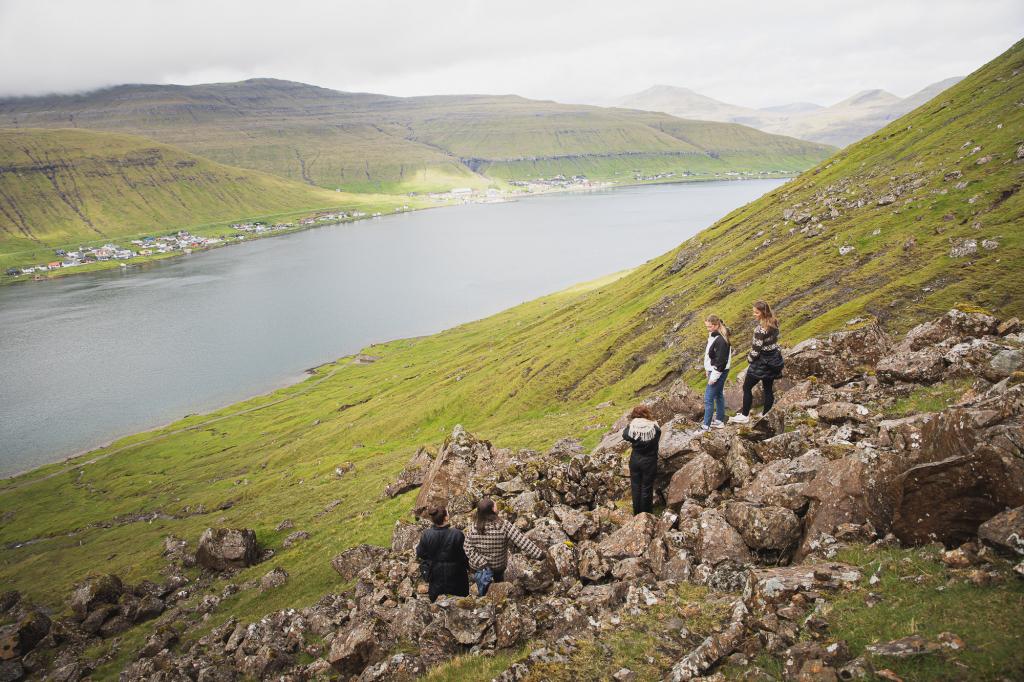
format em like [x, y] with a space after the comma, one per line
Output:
[96, 356]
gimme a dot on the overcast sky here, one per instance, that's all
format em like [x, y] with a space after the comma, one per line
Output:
[757, 53]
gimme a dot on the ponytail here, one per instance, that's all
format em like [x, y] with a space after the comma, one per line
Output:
[722, 329]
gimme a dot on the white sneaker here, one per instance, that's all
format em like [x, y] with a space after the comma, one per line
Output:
[739, 419]
[704, 428]
[717, 424]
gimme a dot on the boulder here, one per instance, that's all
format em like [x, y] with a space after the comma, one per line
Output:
[718, 541]
[405, 536]
[763, 527]
[955, 324]
[224, 549]
[354, 559]
[593, 565]
[529, 575]
[838, 358]
[20, 638]
[925, 366]
[513, 626]
[93, 591]
[740, 461]
[295, 538]
[771, 587]
[968, 467]
[354, 648]
[857, 489]
[274, 578]
[467, 624]
[547, 532]
[783, 446]
[696, 479]
[446, 481]
[412, 475]
[398, 668]
[575, 524]
[563, 555]
[784, 482]
[1005, 531]
[841, 412]
[631, 540]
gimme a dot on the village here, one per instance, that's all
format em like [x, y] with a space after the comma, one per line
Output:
[182, 241]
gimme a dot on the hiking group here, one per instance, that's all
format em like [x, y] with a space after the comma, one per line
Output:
[447, 556]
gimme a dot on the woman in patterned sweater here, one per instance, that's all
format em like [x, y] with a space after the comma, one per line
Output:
[765, 360]
[488, 540]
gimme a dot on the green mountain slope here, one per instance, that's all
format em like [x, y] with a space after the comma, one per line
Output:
[366, 142]
[62, 187]
[545, 369]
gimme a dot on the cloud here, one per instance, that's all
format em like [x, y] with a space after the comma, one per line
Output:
[752, 53]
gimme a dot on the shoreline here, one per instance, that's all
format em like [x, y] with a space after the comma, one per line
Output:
[144, 261]
[101, 450]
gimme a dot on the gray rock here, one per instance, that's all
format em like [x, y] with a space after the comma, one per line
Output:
[224, 549]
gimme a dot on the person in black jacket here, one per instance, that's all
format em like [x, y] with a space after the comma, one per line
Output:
[443, 562]
[765, 359]
[717, 361]
[643, 433]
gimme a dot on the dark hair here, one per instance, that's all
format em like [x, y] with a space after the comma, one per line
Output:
[717, 321]
[485, 513]
[437, 515]
[767, 316]
[641, 412]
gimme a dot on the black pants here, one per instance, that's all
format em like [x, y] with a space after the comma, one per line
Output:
[642, 471]
[748, 393]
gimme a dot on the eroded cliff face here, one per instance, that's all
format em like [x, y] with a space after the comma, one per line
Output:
[753, 516]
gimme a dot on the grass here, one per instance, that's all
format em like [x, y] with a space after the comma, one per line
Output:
[65, 188]
[919, 596]
[542, 370]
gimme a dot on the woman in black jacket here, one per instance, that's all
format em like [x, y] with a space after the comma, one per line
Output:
[717, 361]
[765, 359]
[643, 433]
[443, 562]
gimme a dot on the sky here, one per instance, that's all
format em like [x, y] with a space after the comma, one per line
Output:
[748, 53]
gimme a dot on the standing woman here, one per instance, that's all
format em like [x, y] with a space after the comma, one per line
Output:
[643, 433]
[765, 361]
[443, 563]
[717, 361]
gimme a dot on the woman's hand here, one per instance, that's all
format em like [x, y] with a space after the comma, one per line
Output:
[714, 376]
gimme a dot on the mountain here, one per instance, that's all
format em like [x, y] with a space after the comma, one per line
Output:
[71, 186]
[365, 142]
[685, 103]
[892, 231]
[840, 124]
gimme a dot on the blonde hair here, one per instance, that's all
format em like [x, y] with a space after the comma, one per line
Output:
[767, 317]
[717, 321]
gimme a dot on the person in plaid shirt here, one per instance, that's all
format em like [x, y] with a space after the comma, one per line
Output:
[488, 539]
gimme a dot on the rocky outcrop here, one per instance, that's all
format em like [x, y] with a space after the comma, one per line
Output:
[756, 509]
[226, 549]
[839, 357]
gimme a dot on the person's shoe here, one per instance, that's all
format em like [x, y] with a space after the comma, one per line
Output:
[718, 424]
[704, 428]
[739, 419]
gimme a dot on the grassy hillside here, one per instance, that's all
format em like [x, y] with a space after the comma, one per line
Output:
[542, 370]
[70, 187]
[364, 142]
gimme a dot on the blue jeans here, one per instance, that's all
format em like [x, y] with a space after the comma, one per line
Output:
[714, 399]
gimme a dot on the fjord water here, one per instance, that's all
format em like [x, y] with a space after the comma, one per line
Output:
[95, 356]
